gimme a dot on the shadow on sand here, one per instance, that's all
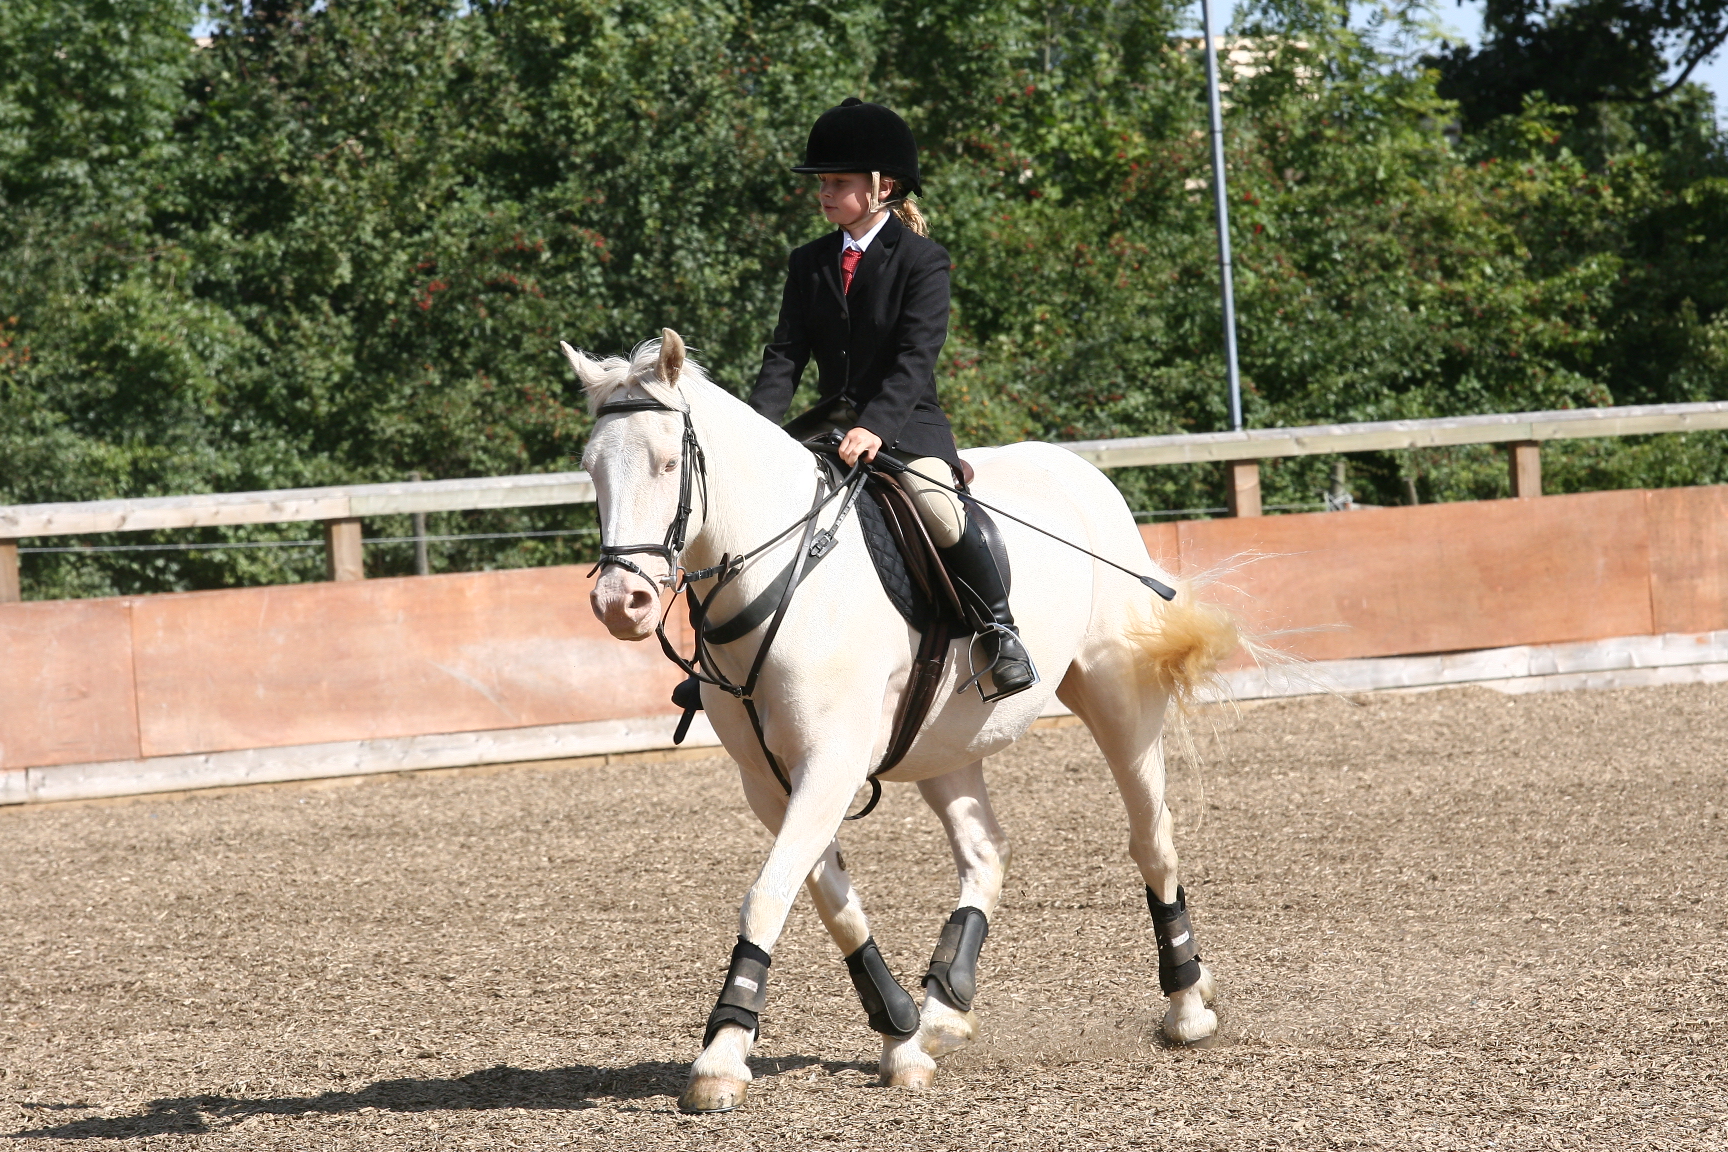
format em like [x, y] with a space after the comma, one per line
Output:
[554, 1089]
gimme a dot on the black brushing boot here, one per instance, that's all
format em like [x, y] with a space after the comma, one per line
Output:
[1006, 661]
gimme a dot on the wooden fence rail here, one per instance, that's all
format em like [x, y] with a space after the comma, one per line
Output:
[1521, 432]
[1445, 432]
[341, 508]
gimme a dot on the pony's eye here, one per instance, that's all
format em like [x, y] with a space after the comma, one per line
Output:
[670, 466]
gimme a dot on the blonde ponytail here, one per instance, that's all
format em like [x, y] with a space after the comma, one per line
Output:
[910, 216]
[901, 203]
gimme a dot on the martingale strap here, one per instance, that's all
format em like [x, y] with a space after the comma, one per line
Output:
[767, 643]
[700, 667]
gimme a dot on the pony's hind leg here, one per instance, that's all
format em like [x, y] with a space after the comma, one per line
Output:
[980, 849]
[1126, 716]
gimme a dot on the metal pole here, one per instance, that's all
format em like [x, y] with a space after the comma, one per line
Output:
[1221, 199]
[422, 562]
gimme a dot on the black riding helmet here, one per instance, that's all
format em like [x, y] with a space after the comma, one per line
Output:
[860, 137]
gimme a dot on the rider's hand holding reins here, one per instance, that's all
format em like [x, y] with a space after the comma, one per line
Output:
[859, 442]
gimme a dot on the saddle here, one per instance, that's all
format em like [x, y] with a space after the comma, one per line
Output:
[920, 587]
[909, 564]
[906, 560]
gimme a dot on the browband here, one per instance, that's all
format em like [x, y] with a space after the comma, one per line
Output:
[646, 404]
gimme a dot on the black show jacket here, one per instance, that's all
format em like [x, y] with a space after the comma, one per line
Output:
[877, 344]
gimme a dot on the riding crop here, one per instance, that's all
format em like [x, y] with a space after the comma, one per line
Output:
[889, 464]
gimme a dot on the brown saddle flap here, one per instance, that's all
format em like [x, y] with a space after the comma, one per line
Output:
[923, 563]
[924, 566]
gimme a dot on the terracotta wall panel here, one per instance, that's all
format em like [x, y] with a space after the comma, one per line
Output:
[304, 664]
[1689, 559]
[310, 663]
[66, 693]
[1438, 578]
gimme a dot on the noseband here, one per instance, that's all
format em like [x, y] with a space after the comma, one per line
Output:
[692, 470]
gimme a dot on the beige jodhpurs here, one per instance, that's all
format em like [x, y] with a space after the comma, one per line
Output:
[944, 517]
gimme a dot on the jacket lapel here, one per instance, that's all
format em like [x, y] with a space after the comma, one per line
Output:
[829, 261]
[876, 258]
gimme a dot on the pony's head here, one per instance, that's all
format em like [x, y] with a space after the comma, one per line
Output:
[636, 460]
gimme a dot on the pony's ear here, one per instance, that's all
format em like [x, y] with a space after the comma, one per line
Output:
[671, 356]
[592, 373]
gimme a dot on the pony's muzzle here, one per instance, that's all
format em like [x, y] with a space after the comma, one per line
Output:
[625, 603]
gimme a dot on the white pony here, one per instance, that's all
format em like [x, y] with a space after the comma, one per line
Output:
[1107, 647]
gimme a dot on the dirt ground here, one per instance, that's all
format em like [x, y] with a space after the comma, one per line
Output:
[1439, 921]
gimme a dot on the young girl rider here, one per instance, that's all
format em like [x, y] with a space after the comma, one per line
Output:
[869, 302]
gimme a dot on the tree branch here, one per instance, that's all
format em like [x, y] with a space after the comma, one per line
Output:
[1698, 58]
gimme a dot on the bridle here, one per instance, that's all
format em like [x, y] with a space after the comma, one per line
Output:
[774, 600]
[692, 471]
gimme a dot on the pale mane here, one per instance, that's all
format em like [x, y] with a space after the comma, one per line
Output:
[605, 378]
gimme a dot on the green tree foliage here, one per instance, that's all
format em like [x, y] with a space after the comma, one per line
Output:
[341, 244]
[1580, 52]
[1384, 271]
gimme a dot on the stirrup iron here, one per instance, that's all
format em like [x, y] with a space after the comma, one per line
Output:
[978, 674]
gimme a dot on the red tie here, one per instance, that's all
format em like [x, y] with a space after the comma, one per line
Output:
[848, 265]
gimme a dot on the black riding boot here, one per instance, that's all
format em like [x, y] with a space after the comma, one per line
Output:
[1005, 657]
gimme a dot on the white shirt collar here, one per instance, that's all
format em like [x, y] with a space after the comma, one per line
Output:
[846, 240]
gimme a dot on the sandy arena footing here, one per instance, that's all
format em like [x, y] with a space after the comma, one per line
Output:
[1452, 920]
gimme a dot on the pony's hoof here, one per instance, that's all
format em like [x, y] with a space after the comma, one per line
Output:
[1188, 1025]
[712, 1094]
[917, 1079]
[947, 1032]
[905, 1064]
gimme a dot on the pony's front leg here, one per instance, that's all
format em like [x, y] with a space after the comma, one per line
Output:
[842, 912]
[980, 849]
[804, 838]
